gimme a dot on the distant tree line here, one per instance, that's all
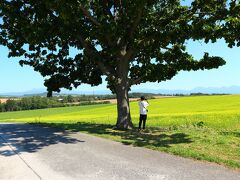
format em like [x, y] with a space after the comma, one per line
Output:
[37, 102]
[91, 98]
[207, 94]
[29, 103]
[79, 98]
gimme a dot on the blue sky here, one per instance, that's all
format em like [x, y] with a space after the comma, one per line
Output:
[14, 78]
[227, 75]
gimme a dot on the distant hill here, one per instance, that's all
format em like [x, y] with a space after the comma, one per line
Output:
[205, 90]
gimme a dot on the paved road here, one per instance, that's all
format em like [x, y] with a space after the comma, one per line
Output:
[34, 152]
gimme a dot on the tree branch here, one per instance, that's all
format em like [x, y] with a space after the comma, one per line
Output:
[107, 8]
[87, 15]
[137, 80]
[95, 22]
[107, 70]
[130, 53]
[136, 22]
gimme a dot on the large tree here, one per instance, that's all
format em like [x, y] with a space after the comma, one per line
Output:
[127, 41]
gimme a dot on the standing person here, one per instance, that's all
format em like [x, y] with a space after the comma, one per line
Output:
[143, 104]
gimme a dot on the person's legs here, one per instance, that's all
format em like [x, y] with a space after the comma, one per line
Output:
[144, 121]
[140, 122]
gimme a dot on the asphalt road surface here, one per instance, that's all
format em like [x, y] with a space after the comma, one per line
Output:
[35, 152]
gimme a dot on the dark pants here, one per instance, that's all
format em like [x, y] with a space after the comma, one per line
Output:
[143, 119]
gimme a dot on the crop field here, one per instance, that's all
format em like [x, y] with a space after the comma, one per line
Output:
[200, 127]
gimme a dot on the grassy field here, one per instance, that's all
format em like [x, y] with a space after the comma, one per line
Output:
[201, 127]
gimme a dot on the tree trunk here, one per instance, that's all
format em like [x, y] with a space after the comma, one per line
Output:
[124, 118]
[121, 87]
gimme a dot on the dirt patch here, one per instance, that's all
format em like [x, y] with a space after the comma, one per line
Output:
[3, 100]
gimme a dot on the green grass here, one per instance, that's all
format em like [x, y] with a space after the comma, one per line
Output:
[201, 127]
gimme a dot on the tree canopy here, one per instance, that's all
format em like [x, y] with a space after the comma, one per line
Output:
[128, 41]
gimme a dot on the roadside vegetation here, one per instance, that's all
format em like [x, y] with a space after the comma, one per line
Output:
[39, 102]
[200, 127]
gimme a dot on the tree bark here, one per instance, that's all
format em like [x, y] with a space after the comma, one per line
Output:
[124, 117]
[121, 88]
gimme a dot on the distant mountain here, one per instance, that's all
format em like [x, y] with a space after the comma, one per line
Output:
[86, 92]
[227, 90]
[30, 92]
[207, 90]
[42, 92]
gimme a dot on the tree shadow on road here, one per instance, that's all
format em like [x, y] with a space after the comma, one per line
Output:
[21, 138]
[153, 136]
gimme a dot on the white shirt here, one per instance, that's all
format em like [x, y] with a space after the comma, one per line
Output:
[143, 107]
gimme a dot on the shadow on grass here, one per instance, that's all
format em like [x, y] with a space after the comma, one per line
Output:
[230, 133]
[153, 136]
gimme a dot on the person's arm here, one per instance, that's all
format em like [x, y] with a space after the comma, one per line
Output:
[147, 103]
[139, 103]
